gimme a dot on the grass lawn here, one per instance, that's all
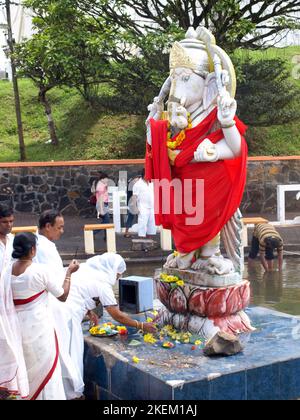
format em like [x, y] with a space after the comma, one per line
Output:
[85, 133]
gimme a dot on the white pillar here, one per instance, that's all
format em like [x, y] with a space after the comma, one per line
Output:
[117, 211]
[111, 240]
[281, 203]
[166, 239]
[89, 242]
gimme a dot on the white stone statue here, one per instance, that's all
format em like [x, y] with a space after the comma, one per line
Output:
[200, 93]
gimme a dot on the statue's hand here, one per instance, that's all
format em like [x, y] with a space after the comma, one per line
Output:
[178, 115]
[227, 107]
[206, 152]
[181, 119]
[155, 109]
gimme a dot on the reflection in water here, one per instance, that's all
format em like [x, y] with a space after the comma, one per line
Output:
[275, 290]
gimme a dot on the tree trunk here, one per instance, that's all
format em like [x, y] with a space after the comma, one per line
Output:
[10, 42]
[44, 101]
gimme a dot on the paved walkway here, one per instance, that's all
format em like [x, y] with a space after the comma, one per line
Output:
[72, 241]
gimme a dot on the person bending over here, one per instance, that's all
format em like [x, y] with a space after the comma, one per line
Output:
[265, 241]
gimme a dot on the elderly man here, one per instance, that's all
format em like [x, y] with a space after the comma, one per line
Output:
[6, 239]
[51, 228]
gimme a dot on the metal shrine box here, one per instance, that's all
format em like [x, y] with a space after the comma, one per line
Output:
[136, 294]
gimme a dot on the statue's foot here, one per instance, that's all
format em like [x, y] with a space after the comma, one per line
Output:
[220, 266]
[214, 265]
[200, 265]
[171, 262]
[180, 261]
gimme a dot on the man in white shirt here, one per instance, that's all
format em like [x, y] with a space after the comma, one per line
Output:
[51, 228]
[6, 238]
[144, 196]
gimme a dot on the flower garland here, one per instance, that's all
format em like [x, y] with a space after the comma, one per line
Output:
[180, 137]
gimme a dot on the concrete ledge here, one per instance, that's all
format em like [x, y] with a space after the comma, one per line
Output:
[120, 162]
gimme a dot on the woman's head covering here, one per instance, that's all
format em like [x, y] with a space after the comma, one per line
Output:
[110, 264]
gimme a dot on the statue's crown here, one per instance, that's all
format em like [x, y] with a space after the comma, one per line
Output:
[190, 53]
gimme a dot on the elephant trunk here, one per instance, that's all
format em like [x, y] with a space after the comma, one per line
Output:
[178, 115]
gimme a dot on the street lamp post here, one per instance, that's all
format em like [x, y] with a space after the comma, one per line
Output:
[10, 42]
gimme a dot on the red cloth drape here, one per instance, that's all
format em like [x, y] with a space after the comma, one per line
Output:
[224, 182]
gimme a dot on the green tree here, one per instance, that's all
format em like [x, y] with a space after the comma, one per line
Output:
[266, 95]
[65, 50]
[235, 23]
[36, 61]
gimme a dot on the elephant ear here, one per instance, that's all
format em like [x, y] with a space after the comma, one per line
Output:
[210, 91]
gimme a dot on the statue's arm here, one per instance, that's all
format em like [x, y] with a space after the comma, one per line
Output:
[157, 107]
[233, 140]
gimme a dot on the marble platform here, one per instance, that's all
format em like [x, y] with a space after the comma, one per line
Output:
[268, 369]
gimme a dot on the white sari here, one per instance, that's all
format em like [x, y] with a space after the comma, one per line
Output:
[40, 344]
[13, 374]
[94, 279]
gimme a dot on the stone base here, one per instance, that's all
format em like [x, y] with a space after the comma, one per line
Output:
[204, 302]
[206, 327]
[268, 368]
[143, 245]
[198, 278]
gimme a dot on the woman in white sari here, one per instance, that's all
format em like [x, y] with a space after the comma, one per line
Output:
[31, 284]
[13, 374]
[95, 279]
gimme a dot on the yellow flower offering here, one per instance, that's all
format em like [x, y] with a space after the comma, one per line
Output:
[135, 359]
[180, 283]
[148, 338]
[94, 330]
[171, 279]
[198, 343]
[122, 330]
[149, 319]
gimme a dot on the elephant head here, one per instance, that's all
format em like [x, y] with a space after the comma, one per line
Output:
[195, 79]
[193, 82]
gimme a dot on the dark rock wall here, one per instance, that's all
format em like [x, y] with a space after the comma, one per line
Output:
[35, 189]
[261, 190]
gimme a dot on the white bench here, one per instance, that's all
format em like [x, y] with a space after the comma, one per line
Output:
[89, 244]
[281, 190]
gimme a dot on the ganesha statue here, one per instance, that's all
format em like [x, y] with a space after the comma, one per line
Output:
[196, 149]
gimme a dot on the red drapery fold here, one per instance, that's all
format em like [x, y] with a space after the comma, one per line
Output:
[224, 183]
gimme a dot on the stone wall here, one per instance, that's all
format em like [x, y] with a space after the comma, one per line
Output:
[33, 188]
[263, 176]
[67, 188]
